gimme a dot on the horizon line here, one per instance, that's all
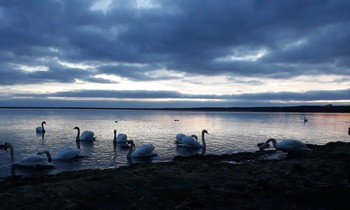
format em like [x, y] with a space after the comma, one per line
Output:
[299, 108]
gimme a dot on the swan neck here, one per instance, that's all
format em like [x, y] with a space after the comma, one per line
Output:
[203, 140]
[11, 151]
[78, 134]
[78, 144]
[131, 150]
[274, 142]
[49, 158]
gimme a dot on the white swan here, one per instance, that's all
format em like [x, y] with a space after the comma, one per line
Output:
[34, 161]
[145, 150]
[85, 136]
[41, 128]
[121, 138]
[180, 136]
[286, 145]
[68, 153]
[190, 141]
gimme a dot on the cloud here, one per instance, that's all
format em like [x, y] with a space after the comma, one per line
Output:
[343, 94]
[169, 40]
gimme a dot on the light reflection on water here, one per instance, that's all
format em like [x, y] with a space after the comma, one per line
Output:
[229, 132]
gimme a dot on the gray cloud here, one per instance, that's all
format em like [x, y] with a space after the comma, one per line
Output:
[307, 96]
[192, 37]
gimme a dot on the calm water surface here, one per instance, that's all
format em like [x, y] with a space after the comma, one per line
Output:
[229, 132]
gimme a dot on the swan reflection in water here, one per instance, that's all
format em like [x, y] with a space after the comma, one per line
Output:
[84, 144]
[42, 135]
[136, 160]
[189, 151]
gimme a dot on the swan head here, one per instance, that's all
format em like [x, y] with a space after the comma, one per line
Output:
[205, 131]
[115, 132]
[6, 146]
[2, 146]
[265, 145]
[43, 122]
[194, 136]
[77, 128]
[130, 142]
[49, 159]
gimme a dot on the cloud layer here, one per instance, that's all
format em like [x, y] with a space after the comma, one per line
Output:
[67, 43]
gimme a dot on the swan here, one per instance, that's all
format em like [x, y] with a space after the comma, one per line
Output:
[85, 136]
[121, 138]
[305, 119]
[349, 131]
[41, 128]
[286, 145]
[67, 154]
[145, 150]
[180, 136]
[34, 161]
[190, 141]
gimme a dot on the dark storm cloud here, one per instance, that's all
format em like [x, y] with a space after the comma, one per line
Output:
[301, 37]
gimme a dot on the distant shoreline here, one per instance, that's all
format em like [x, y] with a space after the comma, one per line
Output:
[312, 109]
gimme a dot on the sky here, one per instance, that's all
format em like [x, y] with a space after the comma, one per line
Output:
[174, 53]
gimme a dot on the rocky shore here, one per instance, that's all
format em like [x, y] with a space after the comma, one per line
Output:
[317, 180]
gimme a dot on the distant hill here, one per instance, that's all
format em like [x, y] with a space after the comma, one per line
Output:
[324, 109]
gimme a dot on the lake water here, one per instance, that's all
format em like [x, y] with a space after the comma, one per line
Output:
[229, 132]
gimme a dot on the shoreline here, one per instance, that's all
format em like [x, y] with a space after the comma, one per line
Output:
[318, 180]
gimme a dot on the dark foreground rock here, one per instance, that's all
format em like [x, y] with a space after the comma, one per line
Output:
[317, 180]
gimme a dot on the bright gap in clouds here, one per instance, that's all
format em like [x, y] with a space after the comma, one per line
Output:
[31, 69]
[195, 85]
[238, 55]
[82, 66]
[101, 5]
